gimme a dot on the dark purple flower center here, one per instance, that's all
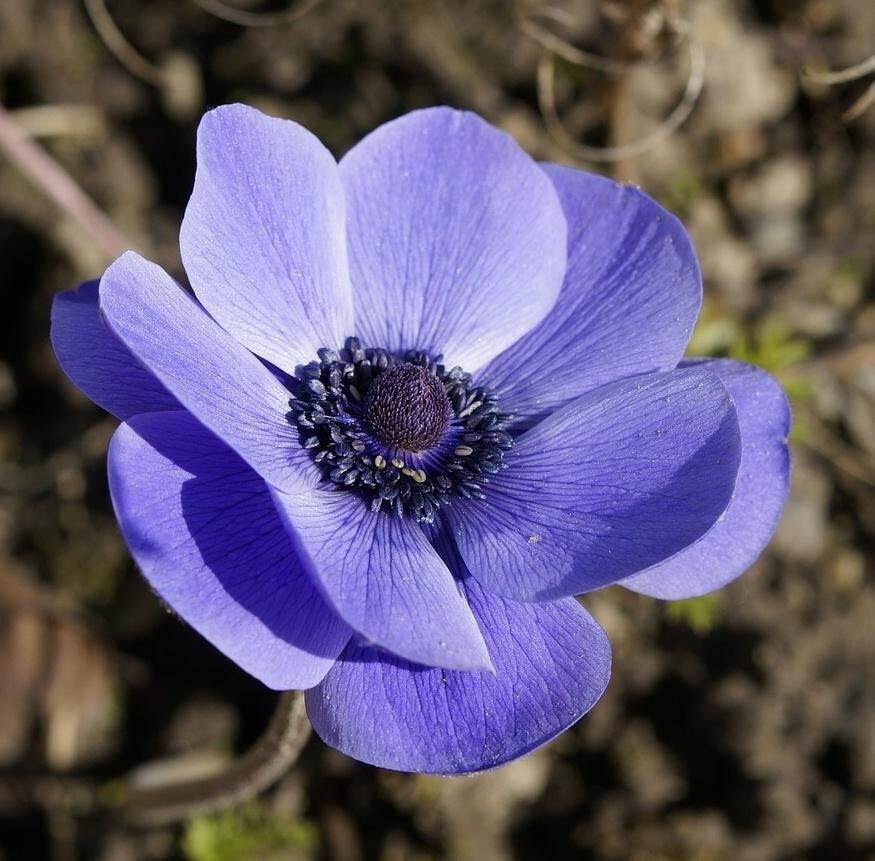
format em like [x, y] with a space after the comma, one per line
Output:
[405, 432]
[407, 407]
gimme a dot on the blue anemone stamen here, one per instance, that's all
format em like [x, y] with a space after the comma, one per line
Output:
[403, 431]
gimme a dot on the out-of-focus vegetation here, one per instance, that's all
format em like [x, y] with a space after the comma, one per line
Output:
[247, 832]
[700, 613]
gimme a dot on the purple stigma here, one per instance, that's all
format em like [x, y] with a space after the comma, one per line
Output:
[407, 407]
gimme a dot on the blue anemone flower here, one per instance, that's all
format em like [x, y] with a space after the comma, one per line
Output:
[423, 398]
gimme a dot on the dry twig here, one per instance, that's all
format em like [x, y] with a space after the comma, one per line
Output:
[123, 50]
[843, 76]
[681, 112]
[258, 19]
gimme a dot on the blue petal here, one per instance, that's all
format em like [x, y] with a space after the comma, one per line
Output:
[383, 577]
[264, 236]
[631, 295]
[739, 537]
[456, 237]
[216, 379]
[616, 481]
[203, 529]
[99, 365]
[552, 663]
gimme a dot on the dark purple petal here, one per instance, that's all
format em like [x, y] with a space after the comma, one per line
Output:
[204, 530]
[263, 240]
[552, 663]
[456, 237]
[383, 577]
[220, 382]
[620, 479]
[99, 365]
[630, 298]
[739, 537]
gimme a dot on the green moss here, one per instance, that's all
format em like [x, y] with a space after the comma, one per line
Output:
[715, 333]
[684, 187]
[769, 344]
[700, 614]
[247, 833]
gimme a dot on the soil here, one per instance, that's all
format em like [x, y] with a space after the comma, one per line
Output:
[738, 727]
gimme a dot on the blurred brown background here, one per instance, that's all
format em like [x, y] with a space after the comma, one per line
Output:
[740, 726]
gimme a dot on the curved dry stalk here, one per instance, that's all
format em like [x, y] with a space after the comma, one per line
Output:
[861, 105]
[678, 116]
[561, 48]
[258, 19]
[262, 765]
[841, 76]
[121, 48]
[32, 160]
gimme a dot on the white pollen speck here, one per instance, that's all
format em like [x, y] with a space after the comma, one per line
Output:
[534, 538]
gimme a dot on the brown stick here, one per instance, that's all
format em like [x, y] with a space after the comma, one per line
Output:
[32, 160]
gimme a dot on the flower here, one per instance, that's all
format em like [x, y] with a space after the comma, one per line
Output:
[425, 396]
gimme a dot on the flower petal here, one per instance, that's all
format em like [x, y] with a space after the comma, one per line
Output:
[631, 295]
[456, 237]
[552, 663]
[387, 582]
[263, 238]
[618, 480]
[220, 382]
[99, 365]
[204, 530]
[734, 544]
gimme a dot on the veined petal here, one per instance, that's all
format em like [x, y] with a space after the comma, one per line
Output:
[382, 576]
[100, 365]
[631, 295]
[220, 382]
[204, 530]
[734, 544]
[552, 663]
[456, 237]
[618, 480]
[263, 239]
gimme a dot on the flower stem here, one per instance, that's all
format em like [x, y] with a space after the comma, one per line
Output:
[262, 765]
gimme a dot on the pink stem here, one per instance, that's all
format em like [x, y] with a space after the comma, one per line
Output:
[36, 163]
